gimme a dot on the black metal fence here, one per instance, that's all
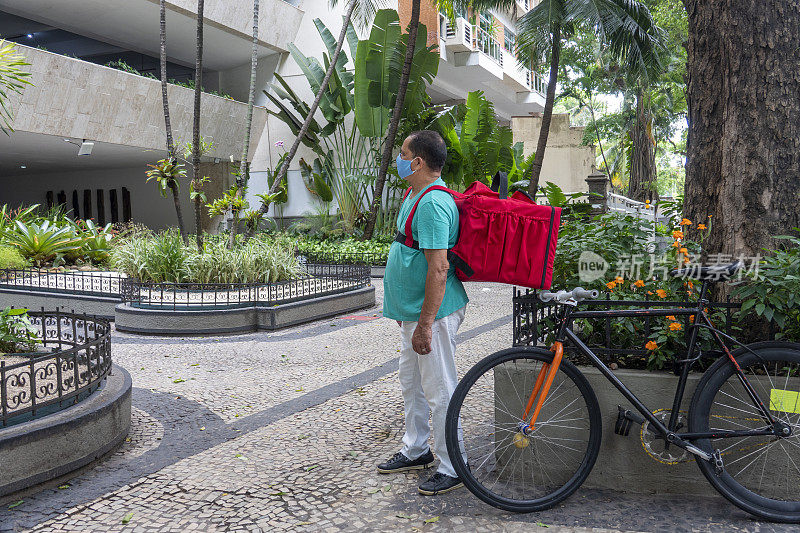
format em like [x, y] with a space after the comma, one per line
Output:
[68, 282]
[323, 276]
[534, 321]
[75, 358]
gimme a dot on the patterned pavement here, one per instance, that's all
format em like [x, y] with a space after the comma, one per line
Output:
[282, 431]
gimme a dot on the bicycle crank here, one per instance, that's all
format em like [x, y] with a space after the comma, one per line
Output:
[655, 445]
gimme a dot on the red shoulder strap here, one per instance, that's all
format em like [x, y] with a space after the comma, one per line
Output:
[409, 238]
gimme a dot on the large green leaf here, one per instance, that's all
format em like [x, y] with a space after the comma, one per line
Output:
[373, 74]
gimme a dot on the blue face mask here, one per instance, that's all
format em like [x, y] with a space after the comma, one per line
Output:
[403, 167]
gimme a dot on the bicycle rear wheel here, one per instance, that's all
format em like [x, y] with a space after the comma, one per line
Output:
[499, 463]
[761, 473]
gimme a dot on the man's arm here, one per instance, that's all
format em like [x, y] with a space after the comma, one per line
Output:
[435, 283]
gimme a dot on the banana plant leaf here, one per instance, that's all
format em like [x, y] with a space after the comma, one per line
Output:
[373, 74]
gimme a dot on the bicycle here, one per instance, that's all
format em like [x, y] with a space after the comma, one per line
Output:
[523, 427]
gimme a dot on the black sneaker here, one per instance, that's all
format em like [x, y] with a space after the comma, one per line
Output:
[401, 463]
[439, 484]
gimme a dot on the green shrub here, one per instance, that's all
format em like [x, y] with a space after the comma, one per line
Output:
[17, 334]
[43, 242]
[773, 291]
[164, 258]
[11, 258]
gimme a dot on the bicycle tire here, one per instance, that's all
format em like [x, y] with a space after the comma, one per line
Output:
[719, 400]
[455, 414]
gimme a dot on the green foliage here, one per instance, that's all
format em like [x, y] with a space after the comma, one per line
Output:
[119, 64]
[378, 69]
[95, 242]
[347, 248]
[773, 291]
[13, 79]
[166, 173]
[10, 257]
[164, 258]
[355, 107]
[17, 334]
[477, 145]
[230, 201]
[43, 242]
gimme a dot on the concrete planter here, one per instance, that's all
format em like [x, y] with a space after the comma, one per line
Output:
[45, 448]
[102, 306]
[246, 319]
[623, 464]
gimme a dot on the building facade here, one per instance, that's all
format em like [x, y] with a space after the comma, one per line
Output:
[94, 64]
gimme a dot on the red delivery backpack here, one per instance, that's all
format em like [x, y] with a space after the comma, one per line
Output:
[505, 240]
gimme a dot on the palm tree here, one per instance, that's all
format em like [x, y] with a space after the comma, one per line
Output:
[625, 27]
[168, 125]
[243, 177]
[388, 143]
[198, 83]
[362, 11]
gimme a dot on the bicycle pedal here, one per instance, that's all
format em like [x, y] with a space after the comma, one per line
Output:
[719, 467]
[625, 419]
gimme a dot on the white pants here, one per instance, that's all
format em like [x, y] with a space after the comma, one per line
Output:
[427, 382]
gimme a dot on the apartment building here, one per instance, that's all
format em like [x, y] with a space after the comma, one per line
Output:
[77, 97]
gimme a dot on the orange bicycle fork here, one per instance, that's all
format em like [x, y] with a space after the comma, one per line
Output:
[543, 382]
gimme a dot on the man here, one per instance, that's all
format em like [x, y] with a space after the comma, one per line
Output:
[422, 293]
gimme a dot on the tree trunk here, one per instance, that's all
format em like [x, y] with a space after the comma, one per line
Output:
[743, 150]
[536, 168]
[642, 184]
[198, 84]
[386, 158]
[244, 168]
[167, 123]
[304, 128]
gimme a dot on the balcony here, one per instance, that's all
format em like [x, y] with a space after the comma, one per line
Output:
[472, 46]
[75, 99]
[133, 25]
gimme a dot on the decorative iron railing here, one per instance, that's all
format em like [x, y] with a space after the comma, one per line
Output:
[91, 283]
[534, 322]
[75, 357]
[324, 276]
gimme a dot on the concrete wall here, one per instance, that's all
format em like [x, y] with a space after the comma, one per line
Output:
[74, 98]
[277, 22]
[567, 162]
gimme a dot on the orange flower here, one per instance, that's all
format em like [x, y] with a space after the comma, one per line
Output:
[649, 292]
[684, 251]
[691, 319]
[701, 226]
[661, 293]
[691, 285]
[638, 283]
[611, 285]
[686, 222]
[677, 234]
[686, 260]
[671, 317]
[651, 345]
[675, 326]
[676, 244]
[619, 279]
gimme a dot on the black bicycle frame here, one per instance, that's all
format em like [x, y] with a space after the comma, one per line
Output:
[701, 320]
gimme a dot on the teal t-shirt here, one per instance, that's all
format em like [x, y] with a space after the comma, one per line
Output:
[434, 227]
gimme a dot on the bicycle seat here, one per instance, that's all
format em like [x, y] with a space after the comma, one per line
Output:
[708, 273]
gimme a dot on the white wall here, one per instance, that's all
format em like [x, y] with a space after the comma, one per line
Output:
[147, 206]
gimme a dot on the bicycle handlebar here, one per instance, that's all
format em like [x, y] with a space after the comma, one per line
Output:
[577, 294]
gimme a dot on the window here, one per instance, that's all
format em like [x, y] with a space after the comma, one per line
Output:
[508, 42]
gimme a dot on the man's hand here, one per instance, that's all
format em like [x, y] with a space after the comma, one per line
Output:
[421, 339]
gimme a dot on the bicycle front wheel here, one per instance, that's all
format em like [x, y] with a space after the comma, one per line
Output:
[512, 469]
[761, 473]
